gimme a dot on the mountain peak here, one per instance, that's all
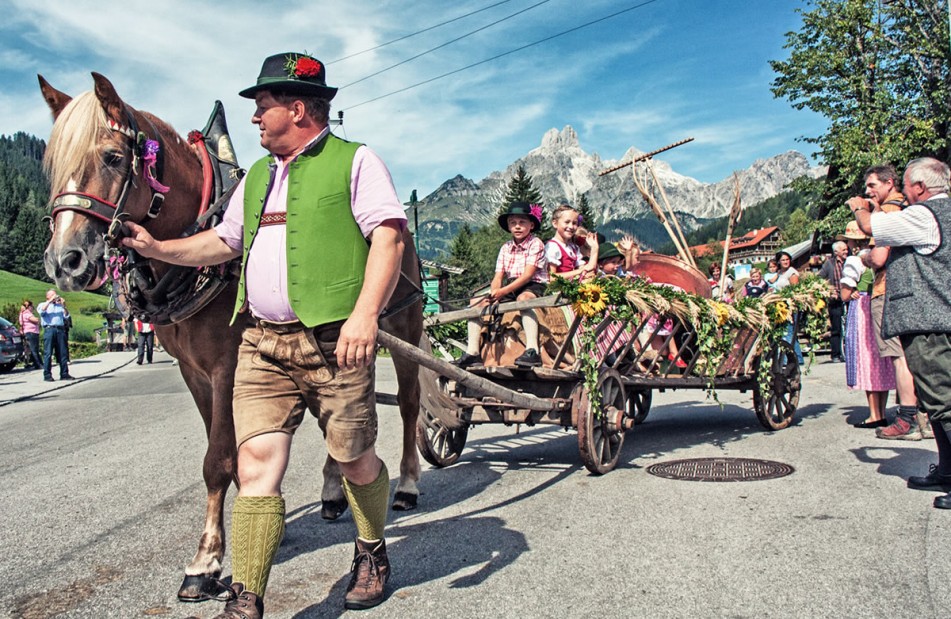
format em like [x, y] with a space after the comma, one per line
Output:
[554, 139]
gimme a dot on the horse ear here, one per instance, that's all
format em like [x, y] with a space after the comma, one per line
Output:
[108, 98]
[54, 98]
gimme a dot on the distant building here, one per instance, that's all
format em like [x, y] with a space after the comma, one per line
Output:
[753, 247]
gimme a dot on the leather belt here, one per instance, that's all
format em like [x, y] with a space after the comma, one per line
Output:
[281, 327]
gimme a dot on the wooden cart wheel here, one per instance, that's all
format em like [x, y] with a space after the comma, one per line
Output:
[639, 404]
[776, 406]
[439, 445]
[600, 438]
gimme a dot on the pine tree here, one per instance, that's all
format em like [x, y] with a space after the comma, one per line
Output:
[522, 189]
[462, 255]
[588, 219]
[28, 240]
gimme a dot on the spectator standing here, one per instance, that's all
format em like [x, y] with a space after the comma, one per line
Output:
[881, 188]
[771, 277]
[918, 298]
[756, 286]
[788, 276]
[864, 368]
[30, 328]
[831, 271]
[146, 341]
[53, 315]
[726, 294]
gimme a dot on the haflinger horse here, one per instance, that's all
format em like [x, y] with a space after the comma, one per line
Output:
[98, 174]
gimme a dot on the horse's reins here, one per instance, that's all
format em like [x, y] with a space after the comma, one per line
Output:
[144, 149]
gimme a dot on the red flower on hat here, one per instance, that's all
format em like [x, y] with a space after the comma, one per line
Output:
[536, 210]
[307, 67]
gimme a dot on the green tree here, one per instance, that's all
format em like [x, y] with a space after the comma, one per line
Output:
[28, 241]
[522, 189]
[798, 227]
[879, 72]
[462, 255]
[588, 218]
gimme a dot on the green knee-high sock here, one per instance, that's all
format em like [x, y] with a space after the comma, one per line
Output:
[369, 504]
[257, 526]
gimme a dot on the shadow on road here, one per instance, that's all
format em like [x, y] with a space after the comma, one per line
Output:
[897, 458]
[475, 545]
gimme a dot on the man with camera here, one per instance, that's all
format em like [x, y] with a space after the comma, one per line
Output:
[53, 315]
[918, 301]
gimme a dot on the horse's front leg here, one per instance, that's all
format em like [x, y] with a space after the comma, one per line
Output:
[201, 574]
[333, 503]
[407, 491]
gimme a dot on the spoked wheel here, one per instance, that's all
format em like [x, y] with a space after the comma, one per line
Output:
[439, 445]
[776, 405]
[638, 405]
[600, 437]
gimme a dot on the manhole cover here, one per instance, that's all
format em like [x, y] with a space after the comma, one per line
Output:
[720, 469]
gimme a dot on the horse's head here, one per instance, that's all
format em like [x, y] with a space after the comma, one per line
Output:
[93, 159]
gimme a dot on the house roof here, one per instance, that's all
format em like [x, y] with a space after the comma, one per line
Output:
[748, 240]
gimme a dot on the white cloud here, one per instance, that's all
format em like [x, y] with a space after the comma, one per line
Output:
[624, 82]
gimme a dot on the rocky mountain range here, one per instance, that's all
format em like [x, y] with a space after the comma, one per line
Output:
[562, 172]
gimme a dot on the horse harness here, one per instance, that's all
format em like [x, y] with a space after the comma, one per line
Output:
[181, 291]
[145, 150]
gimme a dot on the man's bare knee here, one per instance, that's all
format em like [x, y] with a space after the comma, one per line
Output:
[262, 461]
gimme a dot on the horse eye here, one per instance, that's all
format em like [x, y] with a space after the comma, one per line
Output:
[112, 157]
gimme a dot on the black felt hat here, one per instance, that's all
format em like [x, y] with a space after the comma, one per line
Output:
[608, 250]
[293, 73]
[532, 211]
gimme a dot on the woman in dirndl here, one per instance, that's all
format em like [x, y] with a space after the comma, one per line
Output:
[864, 368]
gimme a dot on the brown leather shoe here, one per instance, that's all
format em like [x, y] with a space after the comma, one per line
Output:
[244, 605]
[371, 569]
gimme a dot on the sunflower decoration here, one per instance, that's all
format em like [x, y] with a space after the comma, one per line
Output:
[779, 312]
[721, 311]
[592, 300]
[820, 305]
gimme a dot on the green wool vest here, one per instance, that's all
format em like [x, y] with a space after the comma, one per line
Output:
[326, 252]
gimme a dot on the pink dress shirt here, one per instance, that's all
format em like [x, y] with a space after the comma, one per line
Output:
[372, 199]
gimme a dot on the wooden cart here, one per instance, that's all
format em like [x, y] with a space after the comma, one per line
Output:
[498, 392]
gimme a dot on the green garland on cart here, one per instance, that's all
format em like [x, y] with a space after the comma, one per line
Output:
[631, 299]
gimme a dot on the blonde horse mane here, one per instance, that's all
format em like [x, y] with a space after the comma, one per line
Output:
[73, 140]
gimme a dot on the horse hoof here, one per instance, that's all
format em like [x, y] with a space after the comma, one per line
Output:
[331, 510]
[201, 588]
[404, 501]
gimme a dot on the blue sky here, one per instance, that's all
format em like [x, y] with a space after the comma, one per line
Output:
[651, 76]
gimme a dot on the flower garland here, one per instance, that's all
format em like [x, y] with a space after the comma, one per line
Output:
[628, 299]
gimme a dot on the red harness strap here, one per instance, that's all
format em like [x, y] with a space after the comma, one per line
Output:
[197, 141]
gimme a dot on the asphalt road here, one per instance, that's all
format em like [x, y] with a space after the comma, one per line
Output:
[102, 500]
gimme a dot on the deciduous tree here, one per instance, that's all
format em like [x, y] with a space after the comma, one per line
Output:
[878, 70]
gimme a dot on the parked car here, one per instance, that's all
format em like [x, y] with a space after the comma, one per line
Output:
[11, 345]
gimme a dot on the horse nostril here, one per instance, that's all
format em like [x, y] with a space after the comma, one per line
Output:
[73, 261]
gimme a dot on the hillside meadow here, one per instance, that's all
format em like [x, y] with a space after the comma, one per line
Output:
[86, 308]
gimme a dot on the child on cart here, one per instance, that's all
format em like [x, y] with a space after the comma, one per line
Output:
[521, 273]
[564, 253]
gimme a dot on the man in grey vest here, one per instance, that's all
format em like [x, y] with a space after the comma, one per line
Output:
[918, 299]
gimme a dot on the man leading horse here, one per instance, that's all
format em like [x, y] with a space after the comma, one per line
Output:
[319, 228]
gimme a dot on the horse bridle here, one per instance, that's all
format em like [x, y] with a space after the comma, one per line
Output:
[144, 149]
